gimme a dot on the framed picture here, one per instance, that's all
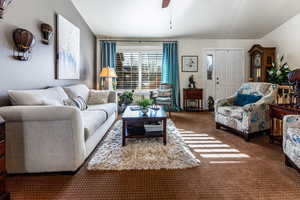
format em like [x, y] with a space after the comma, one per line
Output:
[189, 63]
[68, 49]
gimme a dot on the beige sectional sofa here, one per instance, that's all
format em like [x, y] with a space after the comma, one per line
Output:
[44, 135]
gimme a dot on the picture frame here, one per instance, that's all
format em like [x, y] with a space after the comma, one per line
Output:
[68, 50]
[189, 63]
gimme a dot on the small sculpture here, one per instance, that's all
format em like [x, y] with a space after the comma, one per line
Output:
[47, 33]
[192, 83]
[211, 103]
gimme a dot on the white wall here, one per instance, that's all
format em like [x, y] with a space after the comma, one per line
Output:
[287, 40]
[197, 47]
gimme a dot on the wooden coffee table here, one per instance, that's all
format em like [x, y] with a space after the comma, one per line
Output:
[134, 120]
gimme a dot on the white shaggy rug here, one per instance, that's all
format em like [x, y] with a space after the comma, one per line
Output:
[142, 153]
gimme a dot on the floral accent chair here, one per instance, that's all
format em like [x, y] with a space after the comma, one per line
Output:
[251, 118]
[291, 140]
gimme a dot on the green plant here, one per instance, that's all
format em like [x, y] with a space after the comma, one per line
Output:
[144, 103]
[126, 98]
[278, 74]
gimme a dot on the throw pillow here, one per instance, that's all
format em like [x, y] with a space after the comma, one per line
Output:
[98, 97]
[78, 102]
[165, 93]
[245, 99]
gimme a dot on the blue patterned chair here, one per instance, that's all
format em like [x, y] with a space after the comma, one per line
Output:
[291, 140]
[251, 118]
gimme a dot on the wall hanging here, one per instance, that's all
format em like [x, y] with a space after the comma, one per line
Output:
[3, 5]
[47, 33]
[24, 41]
[68, 49]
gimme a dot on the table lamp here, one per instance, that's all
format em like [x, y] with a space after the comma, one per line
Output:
[107, 74]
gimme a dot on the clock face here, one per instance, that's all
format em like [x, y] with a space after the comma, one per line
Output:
[257, 60]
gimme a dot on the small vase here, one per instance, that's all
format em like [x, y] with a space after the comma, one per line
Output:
[144, 111]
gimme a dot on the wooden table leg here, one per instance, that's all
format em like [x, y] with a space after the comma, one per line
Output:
[271, 134]
[123, 133]
[165, 131]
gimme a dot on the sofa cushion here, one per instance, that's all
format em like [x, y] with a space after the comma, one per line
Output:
[92, 120]
[98, 97]
[77, 90]
[232, 111]
[109, 108]
[50, 96]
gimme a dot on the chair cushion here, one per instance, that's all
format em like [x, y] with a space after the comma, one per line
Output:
[244, 99]
[51, 96]
[232, 111]
[92, 120]
[109, 108]
[78, 90]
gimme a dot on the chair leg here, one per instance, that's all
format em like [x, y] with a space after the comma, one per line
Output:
[169, 107]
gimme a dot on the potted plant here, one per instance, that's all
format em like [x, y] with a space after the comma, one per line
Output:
[144, 104]
[126, 98]
[278, 74]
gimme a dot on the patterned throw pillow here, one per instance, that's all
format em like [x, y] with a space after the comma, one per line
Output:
[78, 102]
[164, 93]
[98, 97]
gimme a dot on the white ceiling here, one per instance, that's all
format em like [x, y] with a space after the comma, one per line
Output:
[192, 18]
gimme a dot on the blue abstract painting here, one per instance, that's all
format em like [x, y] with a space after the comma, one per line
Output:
[68, 49]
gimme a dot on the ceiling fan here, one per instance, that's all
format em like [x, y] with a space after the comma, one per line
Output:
[165, 3]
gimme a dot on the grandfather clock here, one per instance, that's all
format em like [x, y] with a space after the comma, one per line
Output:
[261, 59]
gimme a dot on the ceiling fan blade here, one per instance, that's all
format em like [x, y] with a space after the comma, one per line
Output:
[165, 3]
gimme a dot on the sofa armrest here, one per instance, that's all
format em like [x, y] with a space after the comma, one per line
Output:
[291, 121]
[39, 113]
[43, 138]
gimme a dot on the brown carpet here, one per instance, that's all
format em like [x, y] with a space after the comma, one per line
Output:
[261, 176]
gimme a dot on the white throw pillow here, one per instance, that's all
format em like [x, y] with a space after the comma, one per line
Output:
[50, 96]
[75, 91]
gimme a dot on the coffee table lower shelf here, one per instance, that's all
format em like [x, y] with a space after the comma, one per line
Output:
[139, 132]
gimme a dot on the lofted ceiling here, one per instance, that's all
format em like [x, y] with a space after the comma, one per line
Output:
[207, 19]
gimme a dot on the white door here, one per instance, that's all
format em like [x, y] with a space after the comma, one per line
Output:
[229, 72]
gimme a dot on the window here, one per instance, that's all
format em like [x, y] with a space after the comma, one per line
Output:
[138, 67]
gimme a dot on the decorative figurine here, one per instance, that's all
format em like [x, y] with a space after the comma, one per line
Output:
[192, 83]
[211, 103]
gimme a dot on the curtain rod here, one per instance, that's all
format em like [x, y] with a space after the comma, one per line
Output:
[140, 41]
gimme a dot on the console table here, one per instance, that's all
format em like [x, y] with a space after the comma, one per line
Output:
[277, 113]
[3, 195]
[195, 96]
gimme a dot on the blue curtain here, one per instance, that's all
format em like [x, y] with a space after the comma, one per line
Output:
[108, 54]
[170, 71]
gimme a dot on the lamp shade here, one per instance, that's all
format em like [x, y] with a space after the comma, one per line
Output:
[108, 72]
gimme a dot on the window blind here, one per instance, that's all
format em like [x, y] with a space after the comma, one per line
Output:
[140, 69]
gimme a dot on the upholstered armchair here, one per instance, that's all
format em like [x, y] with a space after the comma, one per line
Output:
[291, 140]
[249, 119]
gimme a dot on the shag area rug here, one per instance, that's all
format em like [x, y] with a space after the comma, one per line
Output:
[142, 154]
